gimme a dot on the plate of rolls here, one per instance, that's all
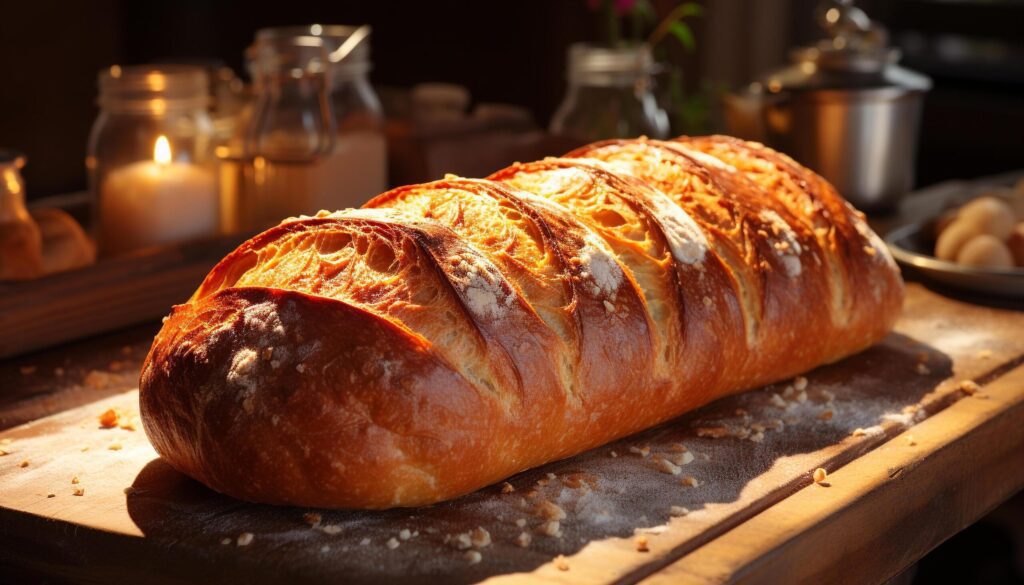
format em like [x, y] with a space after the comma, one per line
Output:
[975, 245]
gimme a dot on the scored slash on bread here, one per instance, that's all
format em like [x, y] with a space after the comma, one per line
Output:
[451, 334]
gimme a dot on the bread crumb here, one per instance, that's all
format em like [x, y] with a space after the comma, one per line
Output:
[641, 451]
[826, 415]
[129, 490]
[114, 447]
[576, 481]
[404, 534]
[109, 418]
[678, 511]
[820, 475]
[788, 391]
[910, 440]
[683, 458]
[549, 510]
[460, 541]
[678, 448]
[507, 488]
[969, 387]
[23, 464]
[225, 540]
[521, 522]
[300, 368]
[479, 537]
[608, 307]
[51, 495]
[245, 539]
[331, 529]
[312, 518]
[78, 491]
[801, 397]
[364, 542]
[708, 302]
[325, 548]
[859, 432]
[523, 540]
[985, 354]
[713, 432]
[757, 437]
[641, 544]
[665, 466]
[778, 401]
[800, 383]
[473, 556]
[561, 564]
[922, 369]
[689, 481]
[828, 396]
[5, 451]
[392, 543]
[74, 479]
[98, 380]
[551, 528]
[613, 454]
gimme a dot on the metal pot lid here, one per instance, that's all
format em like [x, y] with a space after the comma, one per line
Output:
[855, 55]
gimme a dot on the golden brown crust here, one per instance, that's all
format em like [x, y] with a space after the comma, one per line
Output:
[457, 332]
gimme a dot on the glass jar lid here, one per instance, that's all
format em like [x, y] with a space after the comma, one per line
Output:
[611, 66]
[153, 88]
[355, 60]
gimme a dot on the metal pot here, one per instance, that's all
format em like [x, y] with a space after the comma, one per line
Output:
[843, 108]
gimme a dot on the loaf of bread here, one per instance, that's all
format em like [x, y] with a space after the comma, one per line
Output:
[449, 335]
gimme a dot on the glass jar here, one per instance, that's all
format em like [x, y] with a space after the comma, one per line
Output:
[610, 95]
[359, 157]
[314, 135]
[150, 158]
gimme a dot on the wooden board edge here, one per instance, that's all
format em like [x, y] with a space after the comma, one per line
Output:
[917, 490]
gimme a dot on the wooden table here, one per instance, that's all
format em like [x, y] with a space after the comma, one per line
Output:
[911, 460]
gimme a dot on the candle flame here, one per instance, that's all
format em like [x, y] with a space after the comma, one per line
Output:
[162, 151]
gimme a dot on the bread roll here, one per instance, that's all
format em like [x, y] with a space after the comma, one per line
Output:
[65, 245]
[455, 333]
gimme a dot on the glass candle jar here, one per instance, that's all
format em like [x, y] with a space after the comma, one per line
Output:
[610, 95]
[150, 158]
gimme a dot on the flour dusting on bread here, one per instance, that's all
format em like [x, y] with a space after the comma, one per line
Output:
[480, 285]
[784, 241]
[685, 238]
[600, 267]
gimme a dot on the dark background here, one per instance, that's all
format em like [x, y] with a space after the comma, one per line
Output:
[513, 52]
[510, 52]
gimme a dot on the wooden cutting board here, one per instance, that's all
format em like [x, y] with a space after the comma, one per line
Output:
[749, 452]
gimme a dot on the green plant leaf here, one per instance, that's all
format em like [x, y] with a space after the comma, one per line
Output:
[674, 20]
[683, 34]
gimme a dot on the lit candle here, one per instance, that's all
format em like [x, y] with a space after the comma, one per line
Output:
[157, 202]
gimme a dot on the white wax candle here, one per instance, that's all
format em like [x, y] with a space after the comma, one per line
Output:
[149, 203]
